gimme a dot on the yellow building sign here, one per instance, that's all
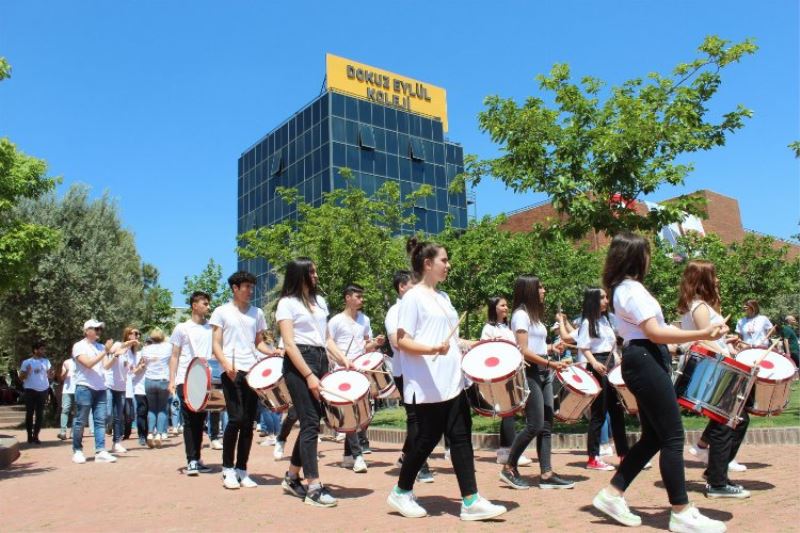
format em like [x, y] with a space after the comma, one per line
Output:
[386, 88]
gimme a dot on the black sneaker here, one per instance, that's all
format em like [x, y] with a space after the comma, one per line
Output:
[727, 491]
[513, 479]
[320, 497]
[294, 486]
[425, 475]
[62, 436]
[191, 469]
[366, 450]
[555, 482]
[203, 469]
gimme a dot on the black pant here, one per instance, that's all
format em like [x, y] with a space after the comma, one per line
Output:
[287, 424]
[192, 429]
[606, 402]
[307, 408]
[241, 402]
[34, 405]
[412, 424]
[538, 420]
[451, 418]
[141, 416]
[127, 418]
[723, 445]
[507, 431]
[646, 371]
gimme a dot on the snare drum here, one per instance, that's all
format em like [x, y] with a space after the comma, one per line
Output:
[348, 408]
[373, 364]
[199, 391]
[626, 397]
[713, 385]
[773, 381]
[497, 372]
[266, 379]
[578, 390]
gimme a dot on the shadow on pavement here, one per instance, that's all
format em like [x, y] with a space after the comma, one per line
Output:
[23, 469]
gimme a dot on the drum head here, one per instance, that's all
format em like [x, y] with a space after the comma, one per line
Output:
[265, 373]
[196, 385]
[348, 384]
[489, 361]
[615, 376]
[368, 361]
[578, 379]
[774, 367]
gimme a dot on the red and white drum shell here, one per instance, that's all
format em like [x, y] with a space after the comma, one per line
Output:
[626, 397]
[578, 390]
[497, 371]
[348, 409]
[373, 365]
[199, 393]
[772, 390]
[266, 379]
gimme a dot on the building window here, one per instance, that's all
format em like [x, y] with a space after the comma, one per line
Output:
[416, 149]
[276, 165]
[366, 137]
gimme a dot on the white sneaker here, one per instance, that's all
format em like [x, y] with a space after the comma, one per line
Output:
[229, 479]
[524, 460]
[406, 504]
[348, 461]
[690, 520]
[78, 457]
[164, 436]
[699, 453]
[447, 454]
[648, 466]
[245, 480]
[481, 509]
[157, 440]
[269, 440]
[502, 455]
[104, 457]
[360, 465]
[118, 448]
[733, 466]
[616, 507]
[277, 453]
[606, 450]
[216, 444]
[340, 437]
[151, 440]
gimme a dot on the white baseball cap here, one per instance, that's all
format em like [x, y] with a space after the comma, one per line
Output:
[92, 323]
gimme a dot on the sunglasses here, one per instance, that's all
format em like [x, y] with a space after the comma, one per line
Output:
[97, 328]
[136, 333]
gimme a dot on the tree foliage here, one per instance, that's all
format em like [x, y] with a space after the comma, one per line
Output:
[156, 307]
[211, 281]
[595, 150]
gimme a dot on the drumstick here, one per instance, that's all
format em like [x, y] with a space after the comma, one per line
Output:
[455, 328]
[376, 371]
[328, 391]
[766, 352]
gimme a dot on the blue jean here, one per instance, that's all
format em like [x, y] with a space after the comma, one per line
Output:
[95, 400]
[269, 420]
[213, 427]
[117, 413]
[605, 430]
[67, 400]
[157, 398]
[176, 417]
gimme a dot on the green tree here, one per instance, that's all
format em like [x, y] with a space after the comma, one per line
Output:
[209, 280]
[596, 150]
[22, 242]
[156, 308]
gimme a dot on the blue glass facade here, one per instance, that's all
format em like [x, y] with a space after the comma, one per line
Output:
[376, 142]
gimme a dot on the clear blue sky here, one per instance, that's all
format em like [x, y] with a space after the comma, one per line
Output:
[154, 101]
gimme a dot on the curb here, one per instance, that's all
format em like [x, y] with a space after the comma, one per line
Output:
[9, 450]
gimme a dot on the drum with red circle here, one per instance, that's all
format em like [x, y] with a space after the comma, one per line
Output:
[773, 381]
[345, 400]
[578, 390]
[626, 397]
[497, 372]
[373, 365]
[266, 379]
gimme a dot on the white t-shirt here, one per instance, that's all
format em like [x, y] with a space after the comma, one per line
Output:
[194, 340]
[498, 331]
[342, 329]
[687, 322]
[68, 377]
[37, 369]
[309, 328]
[137, 380]
[117, 373]
[428, 317]
[632, 306]
[94, 377]
[605, 341]
[239, 332]
[390, 323]
[131, 358]
[157, 358]
[537, 332]
[754, 330]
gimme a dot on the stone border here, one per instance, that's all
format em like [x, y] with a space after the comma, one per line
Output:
[9, 450]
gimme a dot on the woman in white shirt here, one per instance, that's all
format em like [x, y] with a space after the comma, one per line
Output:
[117, 381]
[754, 328]
[302, 316]
[531, 334]
[596, 340]
[647, 373]
[156, 383]
[433, 382]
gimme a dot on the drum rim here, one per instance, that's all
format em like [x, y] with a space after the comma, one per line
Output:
[703, 350]
[771, 381]
[202, 362]
[704, 411]
[576, 390]
[499, 378]
[342, 402]
[269, 387]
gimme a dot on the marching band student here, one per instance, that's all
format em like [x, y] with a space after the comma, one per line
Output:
[597, 340]
[531, 335]
[302, 315]
[352, 333]
[646, 371]
[434, 384]
[191, 339]
[496, 327]
[699, 302]
[35, 373]
[753, 328]
[238, 332]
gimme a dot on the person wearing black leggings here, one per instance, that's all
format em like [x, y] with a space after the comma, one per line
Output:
[646, 370]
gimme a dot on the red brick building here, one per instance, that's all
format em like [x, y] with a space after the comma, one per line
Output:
[723, 218]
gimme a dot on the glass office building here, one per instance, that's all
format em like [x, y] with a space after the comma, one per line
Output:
[378, 143]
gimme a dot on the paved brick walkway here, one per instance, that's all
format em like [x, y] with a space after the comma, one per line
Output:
[145, 490]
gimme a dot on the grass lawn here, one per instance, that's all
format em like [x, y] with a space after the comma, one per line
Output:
[396, 418]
